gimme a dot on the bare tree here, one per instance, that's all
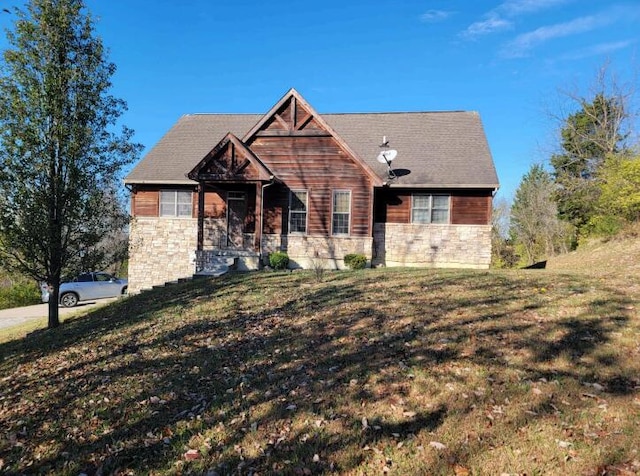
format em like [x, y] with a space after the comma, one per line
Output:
[535, 228]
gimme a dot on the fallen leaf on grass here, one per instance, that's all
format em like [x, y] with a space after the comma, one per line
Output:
[461, 470]
[191, 455]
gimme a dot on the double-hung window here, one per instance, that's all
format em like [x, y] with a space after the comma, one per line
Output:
[341, 212]
[175, 203]
[298, 206]
[428, 208]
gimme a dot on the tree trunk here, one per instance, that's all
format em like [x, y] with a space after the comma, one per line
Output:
[54, 319]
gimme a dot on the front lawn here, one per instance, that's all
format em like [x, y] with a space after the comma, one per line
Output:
[367, 372]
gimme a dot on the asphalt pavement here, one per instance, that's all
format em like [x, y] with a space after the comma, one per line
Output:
[20, 315]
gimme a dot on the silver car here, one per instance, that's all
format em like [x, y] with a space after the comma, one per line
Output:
[88, 286]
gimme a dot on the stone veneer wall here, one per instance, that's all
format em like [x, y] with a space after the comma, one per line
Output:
[215, 232]
[438, 246]
[161, 250]
[307, 251]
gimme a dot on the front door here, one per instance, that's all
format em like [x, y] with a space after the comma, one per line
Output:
[236, 214]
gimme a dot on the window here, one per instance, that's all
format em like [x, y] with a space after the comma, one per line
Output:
[175, 203]
[298, 211]
[341, 212]
[426, 208]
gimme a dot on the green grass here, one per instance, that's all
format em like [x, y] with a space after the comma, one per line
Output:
[367, 372]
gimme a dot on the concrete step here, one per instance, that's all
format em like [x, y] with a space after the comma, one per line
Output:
[216, 267]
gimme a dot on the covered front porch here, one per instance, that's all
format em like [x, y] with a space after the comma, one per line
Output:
[231, 183]
[229, 226]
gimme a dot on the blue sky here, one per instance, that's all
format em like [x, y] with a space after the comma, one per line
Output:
[505, 59]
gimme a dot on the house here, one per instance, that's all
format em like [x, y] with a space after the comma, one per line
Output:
[241, 186]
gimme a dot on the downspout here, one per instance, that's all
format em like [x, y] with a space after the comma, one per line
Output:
[272, 181]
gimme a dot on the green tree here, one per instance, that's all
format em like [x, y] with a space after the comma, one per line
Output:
[536, 230]
[619, 199]
[597, 128]
[60, 147]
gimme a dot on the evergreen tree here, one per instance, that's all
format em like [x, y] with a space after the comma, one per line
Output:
[60, 152]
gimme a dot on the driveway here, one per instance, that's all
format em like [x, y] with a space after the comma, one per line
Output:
[20, 315]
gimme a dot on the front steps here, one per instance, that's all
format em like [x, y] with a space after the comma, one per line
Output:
[216, 267]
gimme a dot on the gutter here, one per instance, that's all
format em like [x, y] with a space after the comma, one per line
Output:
[160, 182]
[493, 186]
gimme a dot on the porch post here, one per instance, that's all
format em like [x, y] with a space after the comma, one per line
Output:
[200, 216]
[258, 212]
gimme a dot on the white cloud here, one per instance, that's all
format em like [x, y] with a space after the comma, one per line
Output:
[514, 8]
[522, 45]
[598, 50]
[500, 18]
[434, 16]
[490, 24]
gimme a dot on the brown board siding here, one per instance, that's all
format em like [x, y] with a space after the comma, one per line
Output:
[468, 207]
[276, 201]
[214, 205]
[145, 203]
[320, 166]
[471, 209]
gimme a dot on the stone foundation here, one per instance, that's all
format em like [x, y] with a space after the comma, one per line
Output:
[161, 250]
[311, 251]
[438, 246]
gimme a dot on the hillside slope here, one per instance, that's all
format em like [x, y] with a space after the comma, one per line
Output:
[382, 371]
[617, 259]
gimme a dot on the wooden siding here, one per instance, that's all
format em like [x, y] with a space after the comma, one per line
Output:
[295, 145]
[467, 207]
[145, 203]
[471, 209]
[214, 205]
[276, 203]
[320, 166]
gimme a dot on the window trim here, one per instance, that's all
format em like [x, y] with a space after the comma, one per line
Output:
[175, 192]
[333, 212]
[430, 209]
[306, 212]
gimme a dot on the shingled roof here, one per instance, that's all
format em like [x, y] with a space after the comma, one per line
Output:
[435, 149]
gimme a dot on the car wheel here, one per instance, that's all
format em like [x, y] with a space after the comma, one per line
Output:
[69, 299]
[125, 290]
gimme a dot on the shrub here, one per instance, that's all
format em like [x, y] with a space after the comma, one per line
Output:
[279, 260]
[21, 293]
[355, 261]
[604, 226]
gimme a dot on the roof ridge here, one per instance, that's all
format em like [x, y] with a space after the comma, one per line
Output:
[452, 111]
[224, 114]
[398, 112]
